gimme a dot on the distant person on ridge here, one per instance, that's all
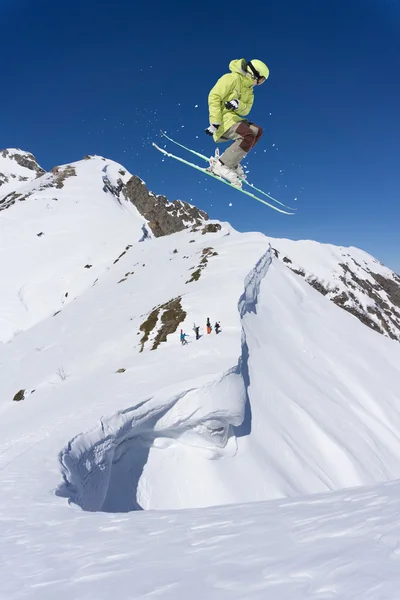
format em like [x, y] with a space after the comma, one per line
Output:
[229, 101]
[208, 325]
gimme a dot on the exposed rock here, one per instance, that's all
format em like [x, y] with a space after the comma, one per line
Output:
[62, 173]
[168, 315]
[148, 325]
[29, 162]
[211, 228]
[164, 217]
[391, 287]
[341, 299]
[12, 176]
[172, 315]
[19, 396]
[354, 286]
[24, 159]
[205, 255]
[9, 200]
[317, 285]
[195, 275]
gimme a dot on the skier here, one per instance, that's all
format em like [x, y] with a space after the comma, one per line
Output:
[229, 101]
[197, 332]
[208, 325]
[183, 337]
[217, 327]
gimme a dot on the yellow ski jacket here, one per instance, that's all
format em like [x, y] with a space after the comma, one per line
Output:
[232, 85]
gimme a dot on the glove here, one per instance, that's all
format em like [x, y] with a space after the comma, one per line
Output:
[212, 128]
[232, 104]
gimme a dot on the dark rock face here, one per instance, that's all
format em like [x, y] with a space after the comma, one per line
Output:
[391, 287]
[317, 285]
[9, 200]
[163, 217]
[19, 396]
[61, 174]
[211, 228]
[29, 162]
[385, 294]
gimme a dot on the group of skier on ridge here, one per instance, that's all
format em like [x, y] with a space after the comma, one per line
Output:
[229, 101]
[196, 329]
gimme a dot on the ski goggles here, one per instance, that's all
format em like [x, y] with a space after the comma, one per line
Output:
[259, 78]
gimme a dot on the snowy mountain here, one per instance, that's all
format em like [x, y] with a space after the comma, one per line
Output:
[351, 278]
[16, 168]
[104, 412]
[65, 229]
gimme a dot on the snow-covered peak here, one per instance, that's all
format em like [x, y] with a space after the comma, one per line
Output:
[350, 277]
[60, 232]
[16, 168]
[64, 229]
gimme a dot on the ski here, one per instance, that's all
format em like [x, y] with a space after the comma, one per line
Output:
[206, 172]
[203, 157]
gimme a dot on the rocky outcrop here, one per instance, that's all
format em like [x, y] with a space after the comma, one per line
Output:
[61, 174]
[16, 169]
[24, 159]
[357, 287]
[163, 217]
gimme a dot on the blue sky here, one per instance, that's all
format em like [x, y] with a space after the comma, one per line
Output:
[102, 78]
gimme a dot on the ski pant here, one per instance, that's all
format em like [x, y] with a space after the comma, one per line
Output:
[246, 136]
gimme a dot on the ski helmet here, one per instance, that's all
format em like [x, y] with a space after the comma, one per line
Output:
[258, 69]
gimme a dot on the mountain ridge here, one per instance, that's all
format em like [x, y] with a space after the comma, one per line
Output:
[355, 280]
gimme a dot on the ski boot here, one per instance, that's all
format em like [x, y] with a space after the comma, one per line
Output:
[240, 172]
[217, 168]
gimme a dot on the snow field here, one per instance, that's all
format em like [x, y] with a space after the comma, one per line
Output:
[294, 397]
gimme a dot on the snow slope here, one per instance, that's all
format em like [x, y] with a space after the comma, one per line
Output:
[295, 396]
[295, 367]
[350, 277]
[343, 545]
[64, 233]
